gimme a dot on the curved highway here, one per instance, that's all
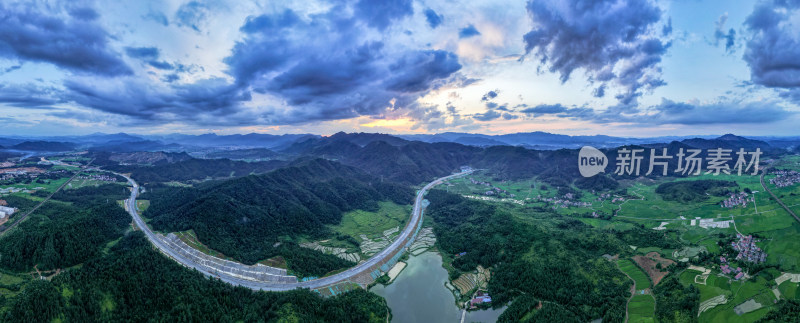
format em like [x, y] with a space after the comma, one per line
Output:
[347, 275]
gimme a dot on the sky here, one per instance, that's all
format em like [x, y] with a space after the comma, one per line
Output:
[615, 67]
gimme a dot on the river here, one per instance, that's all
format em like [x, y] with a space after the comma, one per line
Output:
[419, 295]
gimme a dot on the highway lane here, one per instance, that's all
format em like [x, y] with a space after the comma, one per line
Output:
[343, 276]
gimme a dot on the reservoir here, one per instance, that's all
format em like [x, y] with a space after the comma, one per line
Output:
[419, 295]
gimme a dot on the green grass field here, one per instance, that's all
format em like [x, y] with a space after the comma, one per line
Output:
[641, 309]
[372, 224]
[629, 267]
[737, 293]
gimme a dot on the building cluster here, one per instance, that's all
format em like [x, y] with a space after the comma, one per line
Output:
[11, 190]
[737, 199]
[748, 251]
[492, 189]
[481, 297]
[30, 172]
[6, 211]
[565, 202]
[728, 270]
[711, 223]
[98, 177]
[785, 178]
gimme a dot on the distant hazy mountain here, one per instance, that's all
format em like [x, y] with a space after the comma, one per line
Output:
[248, 140]
[727, 141]
[49, 146]
[539, 140]
[239, 154]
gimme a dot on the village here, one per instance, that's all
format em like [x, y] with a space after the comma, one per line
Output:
[737, 199]
[785, 178]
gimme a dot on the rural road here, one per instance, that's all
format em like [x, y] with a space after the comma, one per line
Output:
[347, 275]
[764, 185]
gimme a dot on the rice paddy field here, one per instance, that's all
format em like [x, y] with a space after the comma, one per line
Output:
[629, 267]
[641, 309]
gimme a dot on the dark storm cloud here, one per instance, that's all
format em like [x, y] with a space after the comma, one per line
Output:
[468, 32]
[380, 14]
[29, 96]
[29, 33]
[417, 70]
[721, 36]
[187, 103]
[326, 68]
[149, 55]
[773, 48]
[434, 19]
[145, 53]
[611, 40]
[83, 13]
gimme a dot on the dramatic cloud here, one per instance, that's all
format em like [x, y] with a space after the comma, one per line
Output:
[192, 14]
[611, 40]
[380, 14]
[773, 48]
[327, 68]
[434, 19]
[73, 42]
[468, 32]
[545, 109]
[670, 112]
[29, 96]
[489, 95]
[729, 37]
[488, 116]
[148, 55]
[198, 102]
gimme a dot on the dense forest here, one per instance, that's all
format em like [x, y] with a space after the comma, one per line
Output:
[245, 218]
[674, 302]
[694, 191]
[787, 311]
[196, 169]
[547, 257]
[60, 235]
[136, 283]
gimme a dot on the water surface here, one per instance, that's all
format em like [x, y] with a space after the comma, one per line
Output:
[419, 295]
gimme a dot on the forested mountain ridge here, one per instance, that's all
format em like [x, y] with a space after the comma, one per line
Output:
[245, 218]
